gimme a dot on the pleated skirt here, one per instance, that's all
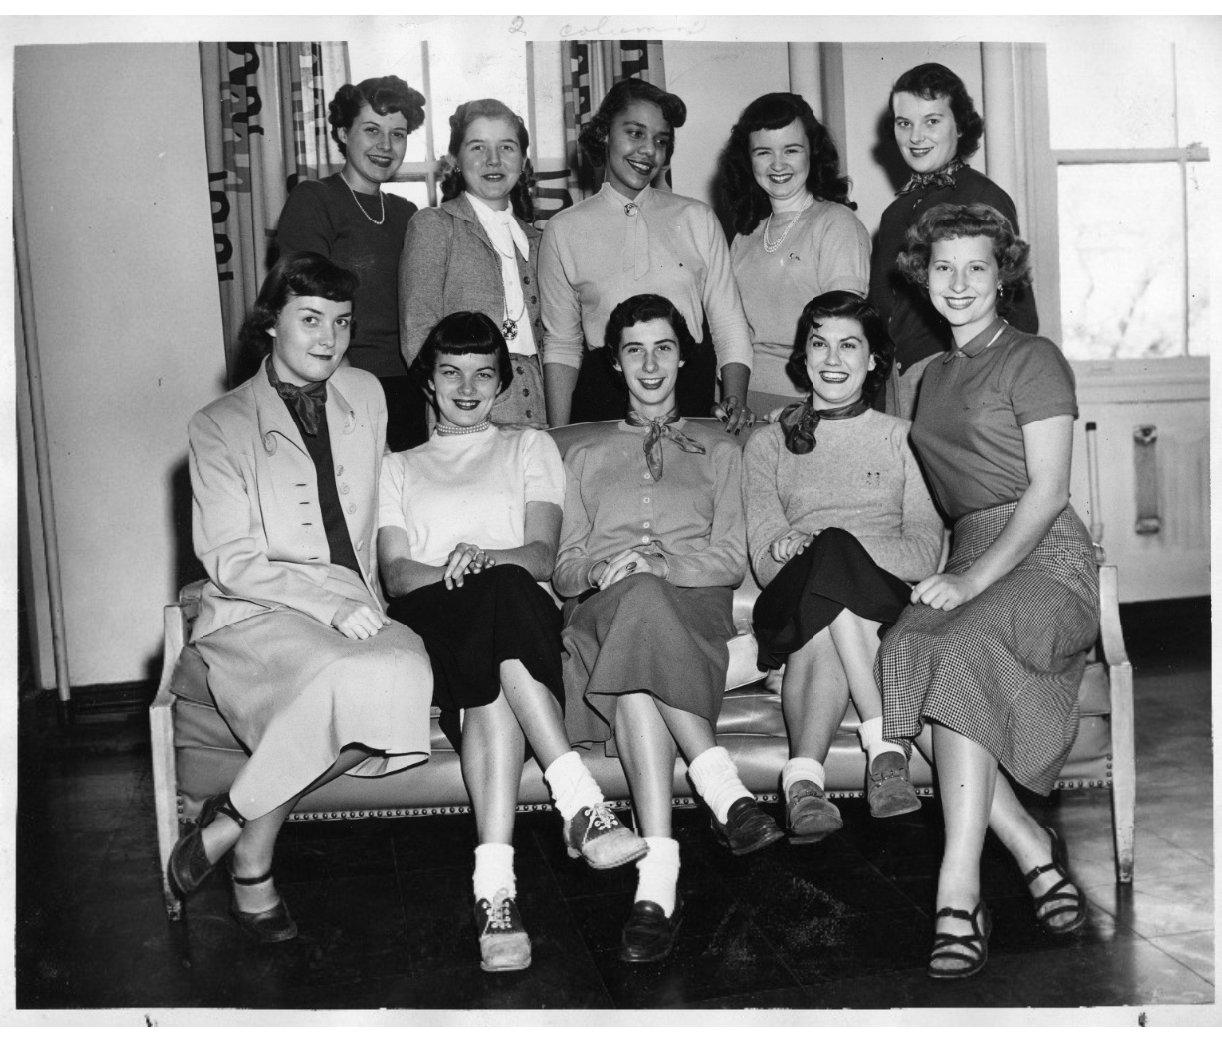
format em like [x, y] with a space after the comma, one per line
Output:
[1004, 668]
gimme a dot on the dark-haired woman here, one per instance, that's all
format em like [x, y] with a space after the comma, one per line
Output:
[631, 239]
[348, 218]
[797, 236]
[651, 548]
[478, 251]
[991, 651]
[305, 667]
[468, 527]
[839, 522]
[937, 129]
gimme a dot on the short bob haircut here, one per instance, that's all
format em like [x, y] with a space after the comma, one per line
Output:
[593, 139]
[294, 274]
[932, 81]
[462, 332]
[647, 307]
[950, 221]
[453, 184]
[741, 195]
[383, 94]
[840, 303]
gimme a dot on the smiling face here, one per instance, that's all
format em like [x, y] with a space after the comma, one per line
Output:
[837, 360]
[465, 387]
[491, 160]
[648, 356]
[963, 284]
[637, 147]
[925, 131]
[780, 160]
[375, 148]
[310, 338]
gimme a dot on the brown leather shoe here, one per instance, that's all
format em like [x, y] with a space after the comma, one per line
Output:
[275, 925]
[809, 813]
[747, 827]
[189, 865]
[888, 789]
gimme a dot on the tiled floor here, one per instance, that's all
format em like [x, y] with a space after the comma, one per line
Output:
[383, 905]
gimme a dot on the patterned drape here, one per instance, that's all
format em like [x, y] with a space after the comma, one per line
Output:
[265, 127]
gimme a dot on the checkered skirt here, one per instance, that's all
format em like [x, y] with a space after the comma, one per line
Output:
[1004, 668]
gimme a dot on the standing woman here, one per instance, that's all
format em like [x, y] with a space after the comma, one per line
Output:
[937, 129]
[651, 547]
[348, 218]
[478, 251]
[631, 239]
[797, 236]
[305, 667]
[992, 650]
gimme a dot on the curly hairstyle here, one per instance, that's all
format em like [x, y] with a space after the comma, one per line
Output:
[932, 81]
[462, 332]
[740, 194]
[647, 307]
[521, 198]
[294, 274]
[950, 221]
[840, 303]
[593, 139]
[383, 94]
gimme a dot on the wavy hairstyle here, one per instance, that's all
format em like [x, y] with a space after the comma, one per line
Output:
[593, 139]
[521, 198]
[930, 81]
[294, 274]
[840, 303]
[462, 332]
[740, 194]
[383, 94]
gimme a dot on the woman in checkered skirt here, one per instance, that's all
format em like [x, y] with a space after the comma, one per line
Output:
[991, 650]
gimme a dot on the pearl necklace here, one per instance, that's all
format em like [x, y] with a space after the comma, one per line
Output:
[772, 247]
[361, 207]
[447, 429]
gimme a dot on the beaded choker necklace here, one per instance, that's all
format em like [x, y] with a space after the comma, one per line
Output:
[449, 429]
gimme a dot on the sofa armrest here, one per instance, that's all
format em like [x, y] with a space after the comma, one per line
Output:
[1124, 743]
[161, 741]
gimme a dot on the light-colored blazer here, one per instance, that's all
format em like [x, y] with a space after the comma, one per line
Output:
[449, 264]
[257, 521]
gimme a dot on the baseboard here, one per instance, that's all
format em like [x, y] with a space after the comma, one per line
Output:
[99, 700]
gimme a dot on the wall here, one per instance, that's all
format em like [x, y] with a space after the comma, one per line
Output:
[128, 324]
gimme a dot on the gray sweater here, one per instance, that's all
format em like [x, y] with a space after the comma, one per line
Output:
[862, 476]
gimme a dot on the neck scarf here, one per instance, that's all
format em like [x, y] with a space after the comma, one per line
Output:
[658, 429]
[940, 178]
[799, 420]
[308, 402]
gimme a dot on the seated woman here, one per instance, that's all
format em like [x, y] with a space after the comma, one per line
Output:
[992, 649]
[839, 521]
[303, 663]
[468, 528]
[651, 546]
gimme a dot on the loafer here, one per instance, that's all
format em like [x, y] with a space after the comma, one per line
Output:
[888, 789]
[747, 827]
[596, 833]
[649, 934]
[809, 813]
[503, 943]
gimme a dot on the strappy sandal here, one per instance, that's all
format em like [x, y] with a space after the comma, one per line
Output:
[189, 865]
[1062, 896]
[975, 944]
[274, 925]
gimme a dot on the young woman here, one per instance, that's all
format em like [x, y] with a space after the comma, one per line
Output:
[479, 251]
[797, 237]
[468, 526]
[631, 239]
[992, 649]
[304, 665]
[651, 546]
[839, 521]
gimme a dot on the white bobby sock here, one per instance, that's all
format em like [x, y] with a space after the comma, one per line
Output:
[572, 786]
[870, 734]
[802, 769]
[658, 874]
[716, 780]
[493, 871]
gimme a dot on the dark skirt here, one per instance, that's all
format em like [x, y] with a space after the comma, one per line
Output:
[600, 393]
[833, 573]
[643, 634]
[494, 616]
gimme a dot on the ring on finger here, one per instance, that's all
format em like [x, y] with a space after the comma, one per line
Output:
[630, 566]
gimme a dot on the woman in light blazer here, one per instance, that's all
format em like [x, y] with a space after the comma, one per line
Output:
[306, 668]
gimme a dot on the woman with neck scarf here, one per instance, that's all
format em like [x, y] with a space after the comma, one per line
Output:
[937, 130]
[651, 547]
[839, 521]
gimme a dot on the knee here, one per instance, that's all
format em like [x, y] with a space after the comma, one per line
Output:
[641, 589]
[837, 539]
